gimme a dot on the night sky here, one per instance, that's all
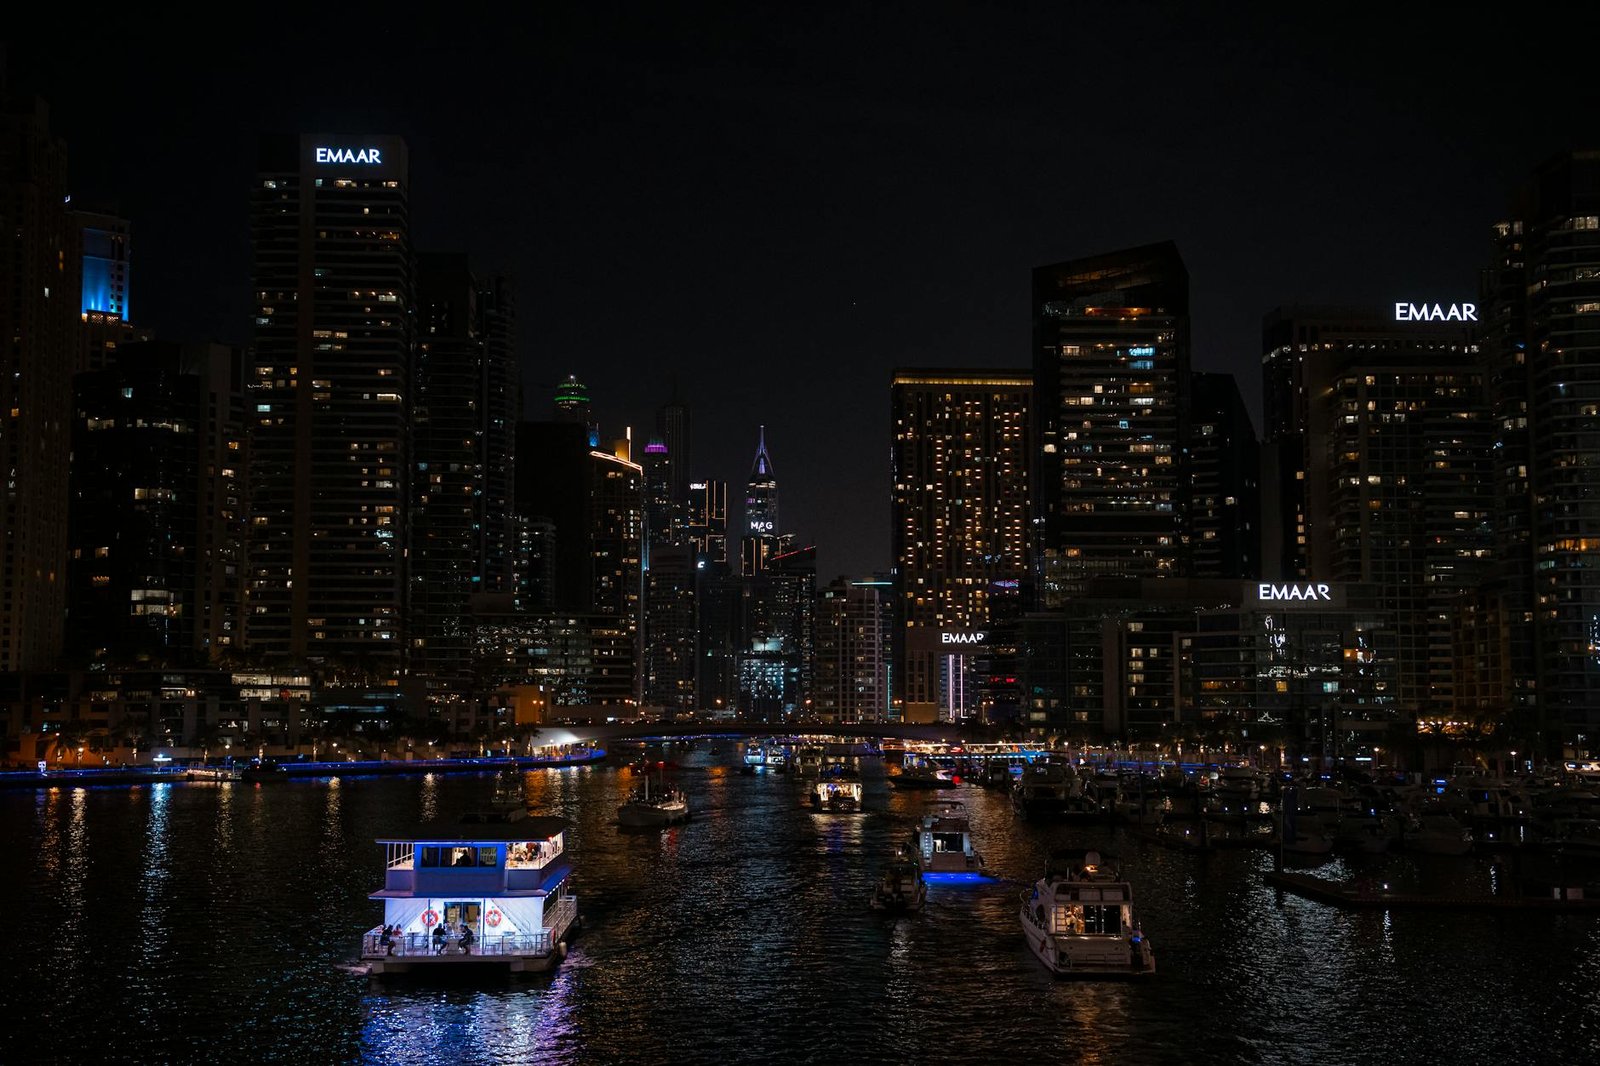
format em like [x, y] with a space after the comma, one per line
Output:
[779, 205]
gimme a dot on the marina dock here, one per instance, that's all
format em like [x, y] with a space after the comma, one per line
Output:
[1352, 897]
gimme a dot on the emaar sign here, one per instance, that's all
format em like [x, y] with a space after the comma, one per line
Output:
[1272, 593]
[963, 638]
[1408, 312]
[349, 155]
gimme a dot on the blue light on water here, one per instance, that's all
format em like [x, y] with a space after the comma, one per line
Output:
[948, 878]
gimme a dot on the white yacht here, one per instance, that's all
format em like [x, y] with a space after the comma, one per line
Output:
[837, 788]
[900, 886]
[942, 842]
[1079, 920]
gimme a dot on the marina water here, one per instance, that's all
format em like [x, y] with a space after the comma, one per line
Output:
[207, 922]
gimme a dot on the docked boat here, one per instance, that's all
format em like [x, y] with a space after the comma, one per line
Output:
[837, 788]
[491, 891]
[766, 757]
[1079, 920]
[900, 886]
[924, 775]
[942, 842]
[647, 808]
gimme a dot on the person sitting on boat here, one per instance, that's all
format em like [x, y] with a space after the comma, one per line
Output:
[438, 939]
[466, 939]
[386, 941]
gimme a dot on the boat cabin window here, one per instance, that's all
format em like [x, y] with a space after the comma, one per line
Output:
[527, 854]
[1088, 918]
[459, 855]
[947, 842]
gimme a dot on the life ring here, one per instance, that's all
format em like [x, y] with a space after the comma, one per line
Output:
[430, 918]
[492, 918]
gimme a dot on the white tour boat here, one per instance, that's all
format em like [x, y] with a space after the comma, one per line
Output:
[942, 842]
[491, 892]
[1079, 920]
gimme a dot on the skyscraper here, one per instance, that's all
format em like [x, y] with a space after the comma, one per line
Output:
[674, 426]
[708, 520]
[501, 407]
[102, 247]
[670, 622]
[1393, 437]
[959, 527]
[854, 638]
[1111, 370]
[39, 308]
[330, 401]
[761, 530]
[616, 548]
[1224, 490]
[1545, 358]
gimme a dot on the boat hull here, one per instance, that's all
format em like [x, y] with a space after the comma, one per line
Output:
[643, 817]
[1085, 958]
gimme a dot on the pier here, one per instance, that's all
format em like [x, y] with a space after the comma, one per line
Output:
[1352, 897]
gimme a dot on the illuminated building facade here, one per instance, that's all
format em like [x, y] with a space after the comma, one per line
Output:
[707, 524]
[1543, 326]
[39, 319]
[1111, 373]
[959, 528]
[1391, 425]
[670, 623]
[854, 637]
[329, 402]
[616, 551]
[762, 537]
[102, 245]
[777, 648]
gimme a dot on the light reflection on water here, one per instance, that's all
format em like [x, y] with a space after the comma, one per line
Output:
[188, 919]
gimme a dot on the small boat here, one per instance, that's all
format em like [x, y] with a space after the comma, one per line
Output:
[900, 886]
[1079, 920]
[942, 842]
[837, 788]
[648, 809]
[263, 771]
[924, 776]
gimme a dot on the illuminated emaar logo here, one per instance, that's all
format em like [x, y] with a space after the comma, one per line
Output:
[962, 638]
[1267, 591]
[1404, 312]
[349, 155]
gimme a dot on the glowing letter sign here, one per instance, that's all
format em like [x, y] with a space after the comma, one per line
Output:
[962, 638]
[1264, 591]
[1405, 312]
[349, 155]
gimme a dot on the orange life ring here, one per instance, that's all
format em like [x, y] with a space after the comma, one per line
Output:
[430, 917]
[493, 917]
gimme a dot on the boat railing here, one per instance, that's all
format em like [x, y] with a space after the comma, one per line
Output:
[425, 944]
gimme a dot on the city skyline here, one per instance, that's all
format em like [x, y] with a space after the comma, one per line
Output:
[783, 205]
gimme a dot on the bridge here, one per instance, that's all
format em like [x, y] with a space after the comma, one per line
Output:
[604, 732]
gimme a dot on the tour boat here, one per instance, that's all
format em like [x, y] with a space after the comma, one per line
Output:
[765, 756]
[924, 775]
[1079, 920]
[900, 886]
[942, 842]
[837, 788]
[490, 891]
[647, 809]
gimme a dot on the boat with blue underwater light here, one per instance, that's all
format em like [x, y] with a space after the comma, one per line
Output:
[1079, 919]
[491, 891]
[942, 844]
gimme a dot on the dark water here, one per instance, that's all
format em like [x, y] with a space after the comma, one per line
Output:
[203, 923]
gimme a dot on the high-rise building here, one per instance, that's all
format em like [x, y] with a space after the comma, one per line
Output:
[762, 536]
[330, 402]
[1224, 505]
[501, 408]
[707, 524]
[1111, 370]
[777, 637]
[670, 622]
[102, 246]
[616, 551]
[662, 510]
[959, 527]
[719, 636]
[674, 426]
[553, 489]
[39, 315]
[854, 638]
[448, 472]
[1394, 452]
[156, 570]
[1544, 357]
